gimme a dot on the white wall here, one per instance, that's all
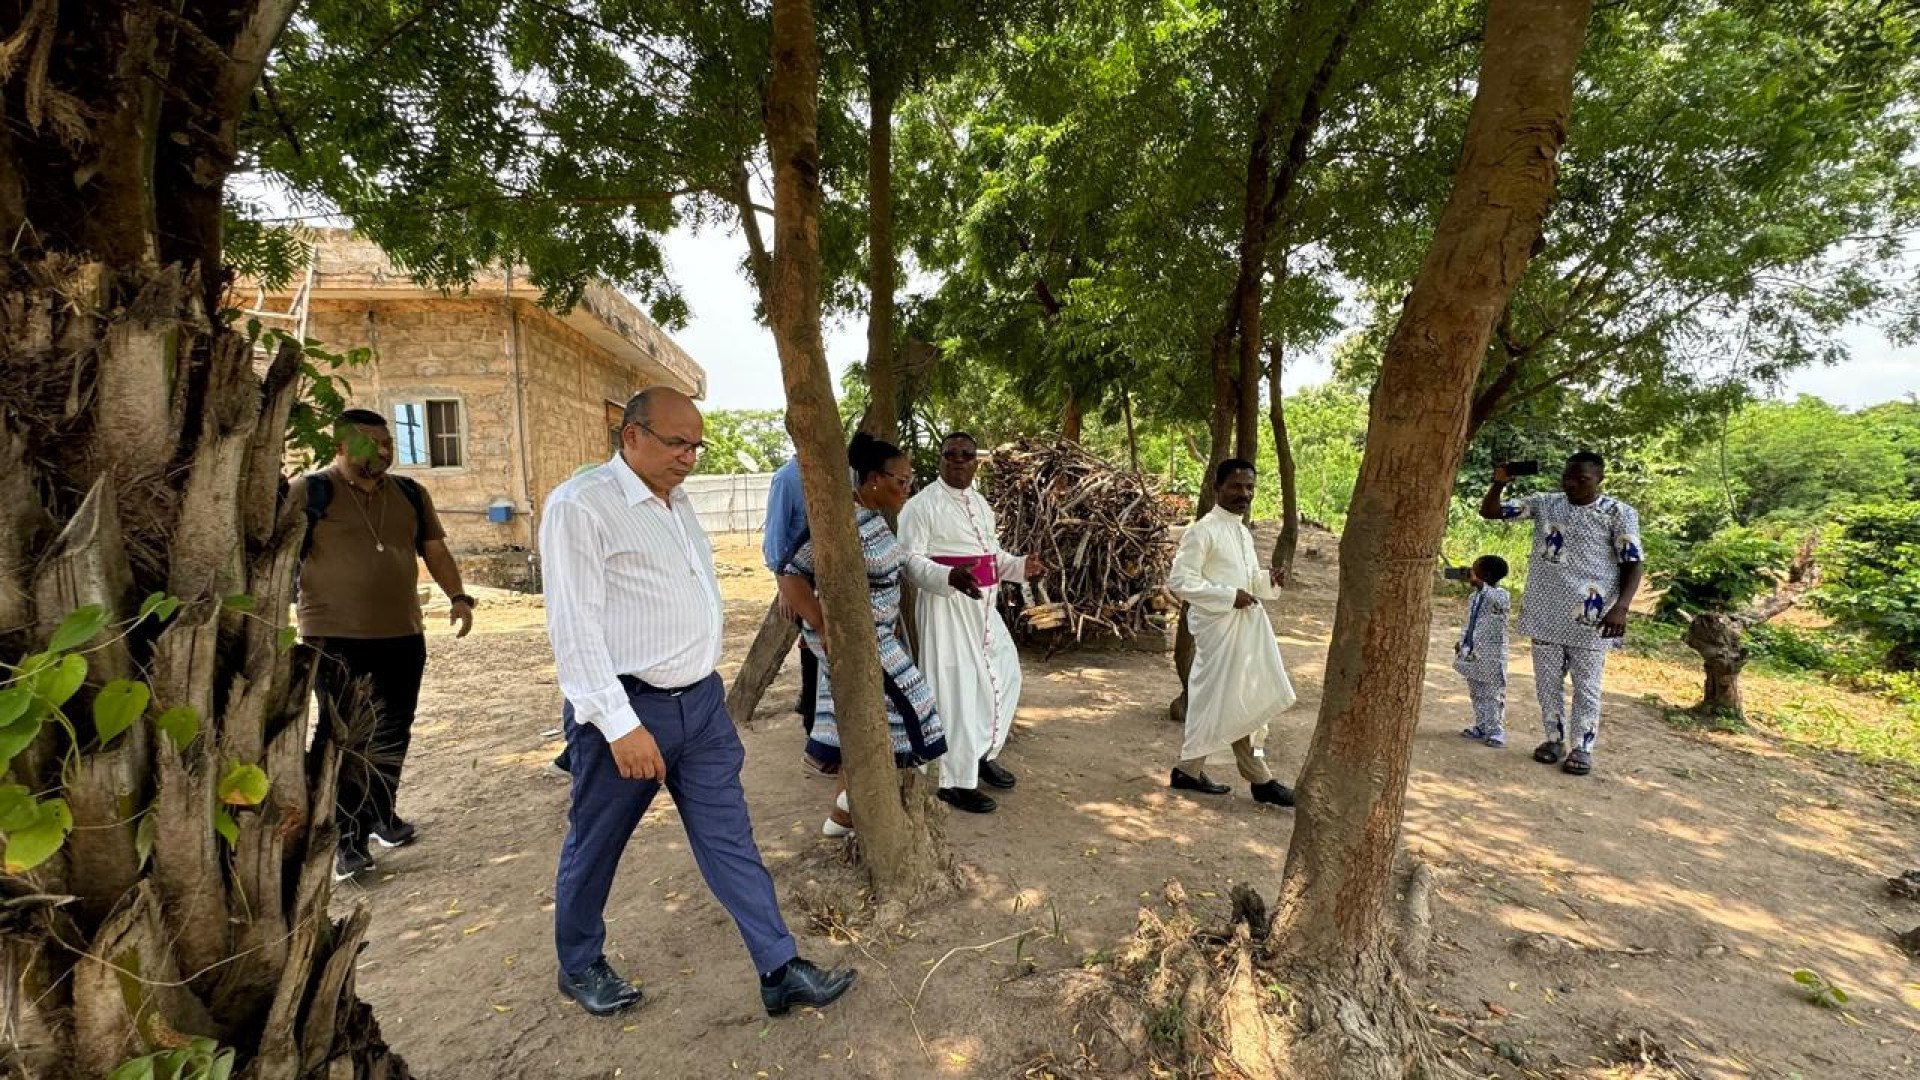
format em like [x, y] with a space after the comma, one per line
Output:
[734, 502]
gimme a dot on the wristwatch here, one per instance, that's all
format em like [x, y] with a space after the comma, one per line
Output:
[459, 596]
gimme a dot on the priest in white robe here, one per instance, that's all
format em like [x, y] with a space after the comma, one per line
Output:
[1238, 682]
[966, 653]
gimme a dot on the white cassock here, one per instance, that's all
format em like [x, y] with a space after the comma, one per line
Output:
[1238, 681]
[966, 653]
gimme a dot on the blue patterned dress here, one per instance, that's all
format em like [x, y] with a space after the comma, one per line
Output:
[912, 719]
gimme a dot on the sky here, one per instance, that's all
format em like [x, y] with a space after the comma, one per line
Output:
[743, 371]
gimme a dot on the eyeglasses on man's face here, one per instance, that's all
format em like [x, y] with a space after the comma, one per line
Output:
[960, 457]
[675, 443]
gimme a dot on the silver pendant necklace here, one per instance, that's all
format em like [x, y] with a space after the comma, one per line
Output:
[378, 544]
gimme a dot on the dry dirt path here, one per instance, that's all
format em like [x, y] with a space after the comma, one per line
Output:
[1680, 885]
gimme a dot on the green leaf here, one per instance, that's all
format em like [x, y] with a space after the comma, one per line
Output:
[143, 835]
[224, 824]
[159, 606]
[1805, 977]
[29, 847]
[117, 706]
[17, 736]
[140, 1068]
[242, 602]
[243, 785]
[13, 703]
[54, 685]
[288, 635]
[181, 724]
[79, 627]
[17, 808]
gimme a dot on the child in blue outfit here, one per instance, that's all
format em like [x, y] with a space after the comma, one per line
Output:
[1481, 653]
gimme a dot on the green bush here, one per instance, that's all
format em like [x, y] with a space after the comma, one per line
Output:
[1872, 564]
[1723, 572]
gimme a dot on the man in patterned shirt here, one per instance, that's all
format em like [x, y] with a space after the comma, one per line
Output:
[1586, 566]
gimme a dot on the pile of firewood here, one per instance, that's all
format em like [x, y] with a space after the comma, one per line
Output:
[1101, 531]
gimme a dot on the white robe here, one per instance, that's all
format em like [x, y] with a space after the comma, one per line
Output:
[1238, 681]
[966, 653]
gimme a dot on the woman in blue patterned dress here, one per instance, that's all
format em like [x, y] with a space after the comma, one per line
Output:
[885, 479]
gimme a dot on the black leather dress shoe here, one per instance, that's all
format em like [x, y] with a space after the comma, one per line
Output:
[1182, 782]
[805, 986]
[1273, 791]
[992, 773]
[968, 799]
[599, 990]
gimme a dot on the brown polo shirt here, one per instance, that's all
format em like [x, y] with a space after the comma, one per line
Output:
[360, 578]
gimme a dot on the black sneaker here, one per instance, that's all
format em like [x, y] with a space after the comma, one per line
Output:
[968, 799]
[992, 773]
[392, 834]
[349, 861]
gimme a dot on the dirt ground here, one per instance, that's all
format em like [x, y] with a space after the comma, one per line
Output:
[1672, 893]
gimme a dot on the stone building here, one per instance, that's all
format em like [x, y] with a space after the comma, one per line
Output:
[493, 399]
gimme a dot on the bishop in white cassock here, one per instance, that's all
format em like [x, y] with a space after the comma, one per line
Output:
[1238, 681]
[966, 653]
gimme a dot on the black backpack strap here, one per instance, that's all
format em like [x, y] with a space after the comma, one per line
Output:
[319, 494]
[416, 498]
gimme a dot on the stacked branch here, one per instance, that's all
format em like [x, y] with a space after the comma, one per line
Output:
[1103, 533]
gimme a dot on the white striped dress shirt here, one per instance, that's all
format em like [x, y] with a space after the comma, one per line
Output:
[630, 590]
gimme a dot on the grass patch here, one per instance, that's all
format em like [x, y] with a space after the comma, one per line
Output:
[1802, 709]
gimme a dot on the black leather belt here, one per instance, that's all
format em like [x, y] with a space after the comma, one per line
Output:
[636, 685]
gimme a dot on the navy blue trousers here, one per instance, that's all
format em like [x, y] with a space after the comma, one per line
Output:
[703, 756]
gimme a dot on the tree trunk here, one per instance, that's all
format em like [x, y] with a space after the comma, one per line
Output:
[142, 455]
[772, 644]
[1720, 642]
[903, 854]
[1331, 934]
[883, 414]
[1288, 544]
[1071, 418]
[1133, 438]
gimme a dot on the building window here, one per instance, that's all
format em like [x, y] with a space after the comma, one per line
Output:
[427, 433]
[615, 414]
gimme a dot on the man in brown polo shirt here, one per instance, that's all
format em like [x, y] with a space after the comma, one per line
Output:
[358, 605]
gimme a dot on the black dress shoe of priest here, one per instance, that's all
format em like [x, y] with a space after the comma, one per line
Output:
[803, 985]
[1183, 782]
[599, 990]
[968, 799]
[992, 773]
[1273, 791]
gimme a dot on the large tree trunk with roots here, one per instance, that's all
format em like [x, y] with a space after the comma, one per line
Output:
[142, 455]
[1331, 934]
[903, 852]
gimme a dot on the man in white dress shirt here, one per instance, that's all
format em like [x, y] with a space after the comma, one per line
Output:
[1238, 682]
[966, 653]
[635, 616]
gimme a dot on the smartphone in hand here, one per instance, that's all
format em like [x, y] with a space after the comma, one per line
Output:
[1457, 573]
[1522, 468]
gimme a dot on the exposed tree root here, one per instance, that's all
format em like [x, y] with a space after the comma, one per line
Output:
[1187, 998]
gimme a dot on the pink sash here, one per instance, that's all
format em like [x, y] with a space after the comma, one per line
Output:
[985, 573]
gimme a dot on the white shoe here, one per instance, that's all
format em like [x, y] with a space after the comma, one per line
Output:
[835, 830]
[841, 802]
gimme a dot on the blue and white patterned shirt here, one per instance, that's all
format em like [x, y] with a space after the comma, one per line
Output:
[1574, 577]
[1481, 652]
